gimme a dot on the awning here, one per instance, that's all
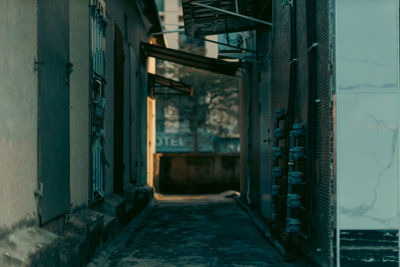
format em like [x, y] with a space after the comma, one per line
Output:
[156, 81]
[151, 20]
[208, 17]
[192, 60]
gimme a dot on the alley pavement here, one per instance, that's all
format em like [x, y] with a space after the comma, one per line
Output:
[191, 231]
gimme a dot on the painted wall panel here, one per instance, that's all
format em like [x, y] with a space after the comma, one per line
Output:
[53, 109]
[79, 99]
[18, 111]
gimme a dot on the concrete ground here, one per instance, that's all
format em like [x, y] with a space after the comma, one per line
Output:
[191, 231]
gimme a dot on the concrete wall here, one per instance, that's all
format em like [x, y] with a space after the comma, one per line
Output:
[79, 102]
[18, 111]
[367, 66]
[367, 115]
[134, 28]
[255, 128]
[196, 173]
[19, 104]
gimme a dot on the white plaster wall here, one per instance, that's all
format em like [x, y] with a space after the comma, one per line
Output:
[171, 20]
[212, 48]
[18, 111]
[79, 99]
[367, 114]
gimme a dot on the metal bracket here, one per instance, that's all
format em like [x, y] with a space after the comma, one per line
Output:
[39, 191]
[314, 45]
[292, 61]
[69, 69]
[37, 64]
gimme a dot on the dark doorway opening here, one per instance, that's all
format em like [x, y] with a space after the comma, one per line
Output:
[118, 112]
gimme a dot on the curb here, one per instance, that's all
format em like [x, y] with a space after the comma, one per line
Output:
[263, 228]
[83, 235]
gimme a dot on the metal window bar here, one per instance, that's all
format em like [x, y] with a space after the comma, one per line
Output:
[98, 101]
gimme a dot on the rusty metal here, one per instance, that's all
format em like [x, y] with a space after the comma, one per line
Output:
[203, 18]
[192, 60]
[183, 88]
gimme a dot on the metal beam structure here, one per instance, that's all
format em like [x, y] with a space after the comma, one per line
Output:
[209, 17]
[183, 88]
[227, 45]
[191, 60]
[233, 13]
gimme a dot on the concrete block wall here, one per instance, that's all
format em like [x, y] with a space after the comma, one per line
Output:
[78, 238]
[192, 173]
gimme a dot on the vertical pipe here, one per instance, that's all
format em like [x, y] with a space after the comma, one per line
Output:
[311, 111]
[249, 130]
[292, 85]
[293, 66]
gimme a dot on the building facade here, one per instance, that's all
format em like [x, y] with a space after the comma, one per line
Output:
[319, 120]
[74, 107]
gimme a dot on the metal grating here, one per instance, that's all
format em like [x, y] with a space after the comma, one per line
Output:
[202, 21]
[320, 246]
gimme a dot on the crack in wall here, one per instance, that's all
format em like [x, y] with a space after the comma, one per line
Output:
[361, 210]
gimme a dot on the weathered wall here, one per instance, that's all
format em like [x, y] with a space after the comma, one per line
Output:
[127, 16]
[255, 127]
[243, 126]
[196, 173]
[79, 102]
[18, 111]
[367, 65]
[274, 90]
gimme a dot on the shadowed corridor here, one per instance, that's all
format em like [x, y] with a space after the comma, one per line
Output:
[199, 230]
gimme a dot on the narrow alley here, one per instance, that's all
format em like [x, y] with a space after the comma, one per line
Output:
[199, 133]
[202, 230]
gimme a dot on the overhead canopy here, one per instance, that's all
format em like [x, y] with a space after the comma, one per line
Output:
[192, 60]
[182, 88]
[201, 20]
[148, 10]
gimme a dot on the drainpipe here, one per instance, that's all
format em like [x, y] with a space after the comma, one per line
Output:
[311, 112]
[249, 130]
[291, 97]
[293, 66]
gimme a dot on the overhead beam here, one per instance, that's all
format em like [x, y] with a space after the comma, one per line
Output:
[191, 60]
[185, 89]
[232, 13]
